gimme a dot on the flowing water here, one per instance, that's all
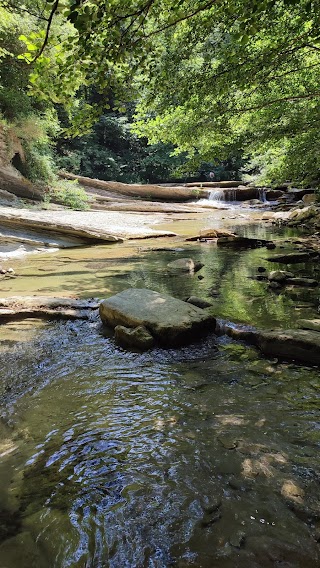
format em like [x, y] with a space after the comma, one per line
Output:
[206, 456]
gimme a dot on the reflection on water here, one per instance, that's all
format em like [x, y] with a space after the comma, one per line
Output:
[206, 456]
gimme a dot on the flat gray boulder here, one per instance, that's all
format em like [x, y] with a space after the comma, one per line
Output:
[170, 321]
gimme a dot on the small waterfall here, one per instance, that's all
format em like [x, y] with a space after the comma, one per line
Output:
[220, 198]
[262, 194]
[217, 195]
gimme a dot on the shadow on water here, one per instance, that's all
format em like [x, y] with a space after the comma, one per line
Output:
[205, 456]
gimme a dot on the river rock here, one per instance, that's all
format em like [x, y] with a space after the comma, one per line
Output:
[21, 307]
[251, 202]
[199, 302]
[299, 193]
[279, 275]
[138, 337]
[290, 490]
[300, 344]
[299, 215]
[237, 539]
[272, 194]
[210, 519]
[313, 324]
[243, 242]
[309, 198]
[275, 285]
[300, 281]
[215, 233]
[211, 234]
[169, 320]
[184, 265]
[19, 186]
[290, 258]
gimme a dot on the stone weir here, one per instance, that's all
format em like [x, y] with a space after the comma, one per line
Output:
[243, 193]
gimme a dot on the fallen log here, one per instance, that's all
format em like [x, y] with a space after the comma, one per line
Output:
[148, 191]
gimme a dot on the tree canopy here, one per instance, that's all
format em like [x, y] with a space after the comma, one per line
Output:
[209, 77]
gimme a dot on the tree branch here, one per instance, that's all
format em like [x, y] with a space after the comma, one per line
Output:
[45, 41]
[275, 101]
[12, 8]
[182, 19]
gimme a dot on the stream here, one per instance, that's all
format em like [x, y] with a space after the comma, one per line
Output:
[204, 456]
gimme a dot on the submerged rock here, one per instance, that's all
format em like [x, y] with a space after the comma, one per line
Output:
[290, 258]
[170, 321]
[300, 281]
[297, 344]
[184, 265]
[237, 540]
[244, 242]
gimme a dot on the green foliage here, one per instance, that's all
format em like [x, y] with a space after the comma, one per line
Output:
[35, 134]
[38, 167]
[213, 78]
[32, 123]
[13, 106]
[69, 193]
[113, 152]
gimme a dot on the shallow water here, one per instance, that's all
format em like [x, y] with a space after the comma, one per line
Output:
[206, 456]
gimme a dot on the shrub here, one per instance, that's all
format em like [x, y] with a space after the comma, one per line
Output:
[69, 193]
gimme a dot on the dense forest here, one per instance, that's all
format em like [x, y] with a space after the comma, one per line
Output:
[157, 90]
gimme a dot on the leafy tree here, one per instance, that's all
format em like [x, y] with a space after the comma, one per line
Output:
[213, 77]
[32, 121]
[111, 151]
